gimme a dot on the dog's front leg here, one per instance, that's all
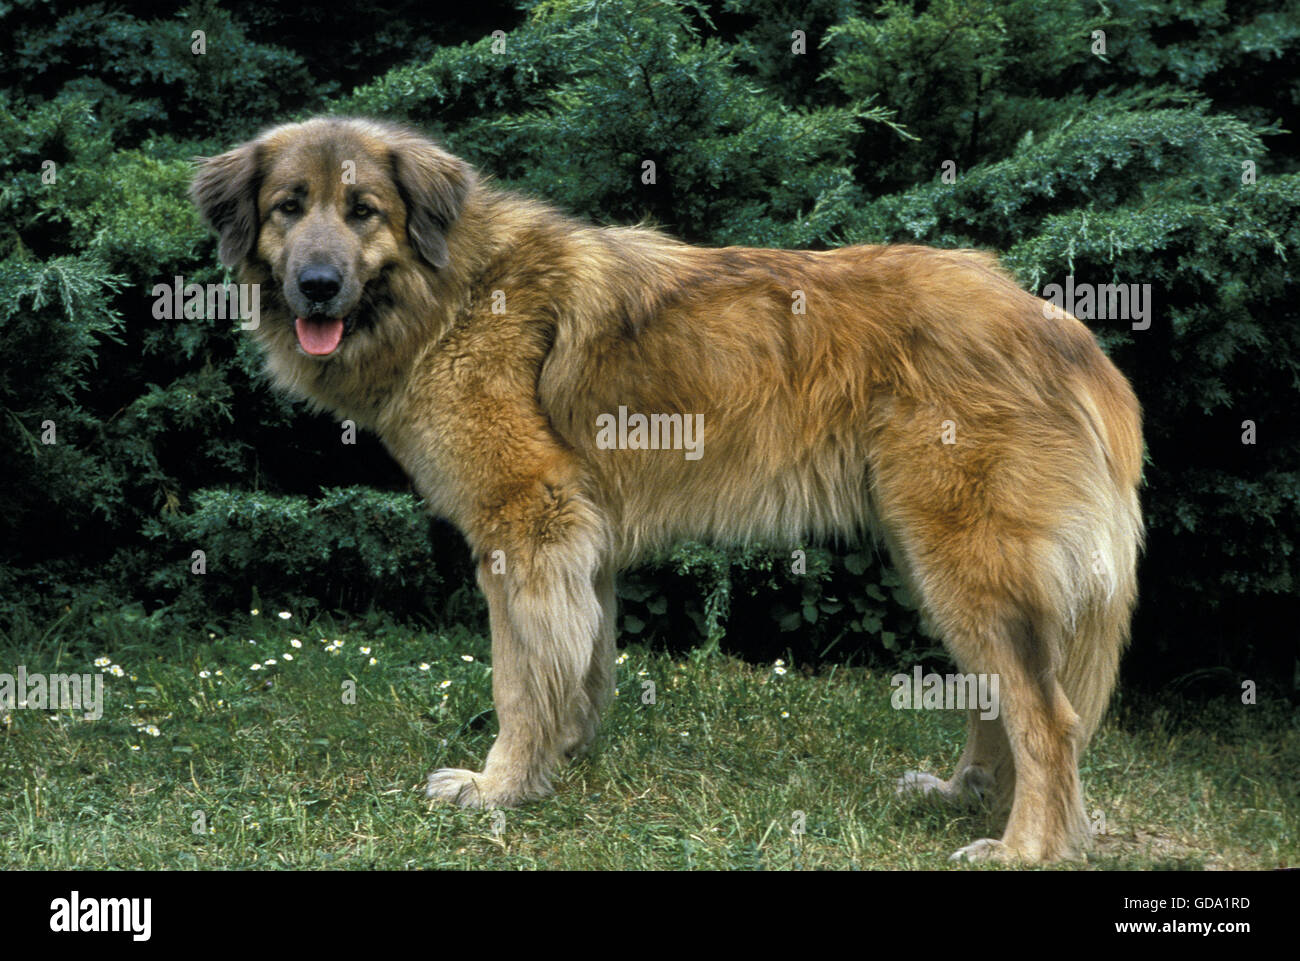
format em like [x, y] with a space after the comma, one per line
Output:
[539, 576]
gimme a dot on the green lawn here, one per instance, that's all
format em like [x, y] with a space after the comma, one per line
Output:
[282, 773]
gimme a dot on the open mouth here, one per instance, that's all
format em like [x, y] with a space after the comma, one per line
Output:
[320, 335]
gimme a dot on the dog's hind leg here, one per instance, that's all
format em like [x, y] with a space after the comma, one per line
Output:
[1044, 734]
[997, 583]
[1025, 759]
[1033, 762]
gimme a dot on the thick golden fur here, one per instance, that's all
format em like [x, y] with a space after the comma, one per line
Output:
[1019, 539]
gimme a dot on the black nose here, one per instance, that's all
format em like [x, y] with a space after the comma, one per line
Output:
[319, 284]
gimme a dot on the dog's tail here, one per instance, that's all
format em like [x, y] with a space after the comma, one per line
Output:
[1104, 604]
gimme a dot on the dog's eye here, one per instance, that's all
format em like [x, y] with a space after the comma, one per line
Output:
[362, 211]
[289, 206]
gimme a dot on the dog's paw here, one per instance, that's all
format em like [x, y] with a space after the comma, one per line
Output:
[986, 850]
[918, 782]
[475, 789]
[967, 788]
[469, 789]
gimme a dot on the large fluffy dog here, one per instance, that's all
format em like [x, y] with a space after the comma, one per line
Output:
[504, 351]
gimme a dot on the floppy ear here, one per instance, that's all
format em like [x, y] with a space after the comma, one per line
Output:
[433, 185]
[225, 191]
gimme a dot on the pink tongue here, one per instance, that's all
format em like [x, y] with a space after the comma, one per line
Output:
[319, 335]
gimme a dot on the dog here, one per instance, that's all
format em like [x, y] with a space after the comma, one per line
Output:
[538, 377]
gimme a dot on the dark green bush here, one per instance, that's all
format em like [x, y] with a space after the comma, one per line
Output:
[349, 549]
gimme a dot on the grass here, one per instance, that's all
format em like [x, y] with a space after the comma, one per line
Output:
[200, 761]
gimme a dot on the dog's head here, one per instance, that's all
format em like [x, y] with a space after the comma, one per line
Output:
[326, 210]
